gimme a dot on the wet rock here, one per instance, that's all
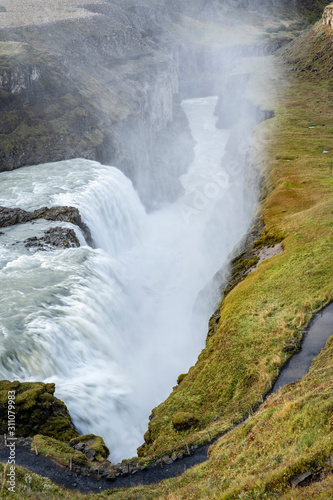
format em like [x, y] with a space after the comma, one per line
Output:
[12, 216]
[90, 454]
[56, 237]
[300, 478]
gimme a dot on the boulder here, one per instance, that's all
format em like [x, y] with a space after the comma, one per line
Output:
[93, 446]
[300, 478]
[182, 421]
[13, 216]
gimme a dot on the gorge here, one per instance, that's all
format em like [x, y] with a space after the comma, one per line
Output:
[114, 327]
[114, 321]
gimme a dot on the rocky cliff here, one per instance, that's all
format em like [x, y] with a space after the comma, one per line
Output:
[97, 86]
[104, 82]
[328, 16]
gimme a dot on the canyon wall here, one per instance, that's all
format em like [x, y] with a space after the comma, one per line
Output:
[328, 16]
[105, 83]
[103, 87]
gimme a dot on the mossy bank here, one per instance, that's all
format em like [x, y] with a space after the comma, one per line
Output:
[37, 410]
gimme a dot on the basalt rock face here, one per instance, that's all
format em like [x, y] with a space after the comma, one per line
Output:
[103, 87]
[12, 216]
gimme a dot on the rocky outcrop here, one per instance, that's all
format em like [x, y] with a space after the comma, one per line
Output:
[54, 236]
[102, 87]
[92, 446]
[36, 410]
[328, 16]
[182, 421]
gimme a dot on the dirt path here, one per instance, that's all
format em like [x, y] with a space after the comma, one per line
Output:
[64, 477]
[314, 340]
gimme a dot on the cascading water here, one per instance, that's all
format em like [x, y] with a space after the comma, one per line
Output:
[114, 326]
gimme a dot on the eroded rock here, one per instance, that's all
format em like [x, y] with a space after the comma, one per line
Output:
[300, 478]
[93, 447]
[56, 237]
[12, 216]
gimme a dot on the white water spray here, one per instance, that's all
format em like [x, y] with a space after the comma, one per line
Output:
[114, 327]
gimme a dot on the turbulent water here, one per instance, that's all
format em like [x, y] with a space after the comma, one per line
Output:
[114, 326]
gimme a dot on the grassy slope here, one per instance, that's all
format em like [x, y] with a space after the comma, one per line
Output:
[292, 432]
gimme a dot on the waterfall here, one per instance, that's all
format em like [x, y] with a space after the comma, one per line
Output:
[114, 326]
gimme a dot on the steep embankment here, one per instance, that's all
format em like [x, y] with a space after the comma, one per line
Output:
[248, 343]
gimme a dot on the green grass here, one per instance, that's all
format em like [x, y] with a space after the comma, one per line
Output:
[60, 451]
